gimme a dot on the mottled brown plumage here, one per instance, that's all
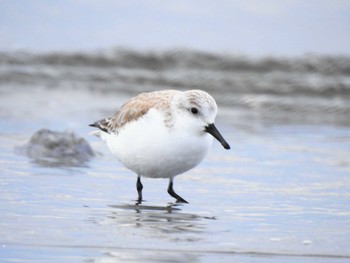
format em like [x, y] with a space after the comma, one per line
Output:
[135, 108]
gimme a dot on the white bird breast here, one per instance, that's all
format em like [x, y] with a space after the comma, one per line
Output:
[151, 149]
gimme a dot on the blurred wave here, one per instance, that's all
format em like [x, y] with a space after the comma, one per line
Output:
[307, 89]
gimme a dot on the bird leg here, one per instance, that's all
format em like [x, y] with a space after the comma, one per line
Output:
[171, 191]
[139, 188]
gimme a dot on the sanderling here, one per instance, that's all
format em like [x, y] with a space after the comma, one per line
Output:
[162, 134]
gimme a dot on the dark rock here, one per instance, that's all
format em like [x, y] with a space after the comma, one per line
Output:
[52, 148]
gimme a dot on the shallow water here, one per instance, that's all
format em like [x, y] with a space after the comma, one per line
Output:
[280, 194]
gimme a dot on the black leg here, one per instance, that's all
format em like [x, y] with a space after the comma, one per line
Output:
[171, 191]
[139, 188]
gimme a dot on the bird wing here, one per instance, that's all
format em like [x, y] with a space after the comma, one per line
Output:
[132, 110]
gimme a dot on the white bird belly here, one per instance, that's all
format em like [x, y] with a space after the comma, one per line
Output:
[151, 149]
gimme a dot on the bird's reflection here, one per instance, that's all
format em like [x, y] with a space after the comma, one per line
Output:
[163, 224]
[157, 220]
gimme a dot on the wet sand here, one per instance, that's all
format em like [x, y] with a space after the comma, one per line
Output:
[280, 194]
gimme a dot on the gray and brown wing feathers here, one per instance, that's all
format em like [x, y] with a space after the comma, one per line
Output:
[132, 110]
[103, 124]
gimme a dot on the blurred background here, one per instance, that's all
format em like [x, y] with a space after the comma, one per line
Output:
[271, 61]
[280, 73]
[240, 27]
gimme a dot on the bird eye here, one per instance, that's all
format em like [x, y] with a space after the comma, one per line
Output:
[194, 110]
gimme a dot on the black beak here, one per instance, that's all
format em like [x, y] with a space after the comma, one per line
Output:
[216, 134]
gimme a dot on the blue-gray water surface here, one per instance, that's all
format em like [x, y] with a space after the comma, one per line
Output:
[281, 194]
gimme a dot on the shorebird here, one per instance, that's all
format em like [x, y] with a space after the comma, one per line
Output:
[162, 134]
